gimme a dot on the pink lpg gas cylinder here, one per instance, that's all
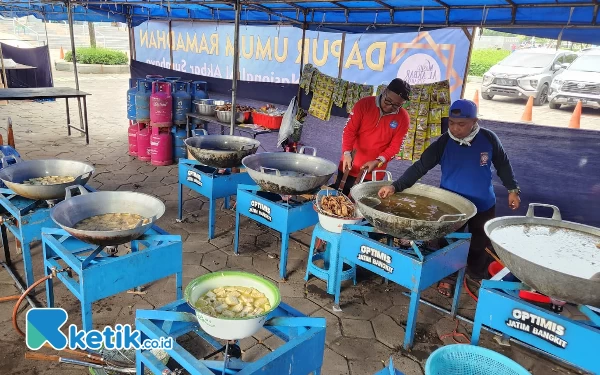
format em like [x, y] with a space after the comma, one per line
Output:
[143, 142]
[132, 135]
[161, 146]
[161, 104]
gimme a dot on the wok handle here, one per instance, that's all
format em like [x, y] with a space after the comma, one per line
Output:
[301, 151]
[555, 214]
[196, 131]
[250, 147]
[86, 175]
[69, 189]
[444, 217]
[388, 174]
[264, 169]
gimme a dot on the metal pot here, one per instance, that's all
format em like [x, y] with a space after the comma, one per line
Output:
[225, 116]
[14, 175]
[558, 258]
[365, 196]
[289, 173]
[231, 328]
[221, 151]
[207, 107]
[75, 209]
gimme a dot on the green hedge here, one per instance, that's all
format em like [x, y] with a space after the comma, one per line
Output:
[483, 59]
[102, 56]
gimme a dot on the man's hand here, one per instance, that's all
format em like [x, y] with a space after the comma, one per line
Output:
[386, 191]
[347, 163]
[370, 166]
[513, 201]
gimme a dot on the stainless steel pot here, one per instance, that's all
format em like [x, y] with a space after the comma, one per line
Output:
[225, 116]
[207, 107]
[221, 151]
[72, 210]
[365, 196]
[558, 258]
[289, 173]
[14, 175]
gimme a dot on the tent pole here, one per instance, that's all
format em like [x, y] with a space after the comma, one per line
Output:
[471, 37]
[72, 34]
[304, 27]
[48, 49]
[236, 64]
[4, 79]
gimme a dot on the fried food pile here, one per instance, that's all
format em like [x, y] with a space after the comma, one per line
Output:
[337, 206]
[239, 108]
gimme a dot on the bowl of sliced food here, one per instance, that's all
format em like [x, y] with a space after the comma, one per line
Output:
[335, 210]
[232, 305]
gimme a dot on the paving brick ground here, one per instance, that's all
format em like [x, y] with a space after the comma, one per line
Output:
[359, 340]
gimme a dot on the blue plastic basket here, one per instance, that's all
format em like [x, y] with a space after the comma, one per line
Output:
[461, 359]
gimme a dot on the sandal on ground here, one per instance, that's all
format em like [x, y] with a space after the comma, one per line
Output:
[446, 288]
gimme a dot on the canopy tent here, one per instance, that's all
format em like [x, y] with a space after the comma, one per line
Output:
[572, 20]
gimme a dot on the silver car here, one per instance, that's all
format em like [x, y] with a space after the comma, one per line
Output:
[525, 73]
[579, 82]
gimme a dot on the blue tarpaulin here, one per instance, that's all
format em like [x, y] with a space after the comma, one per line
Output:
[571, 20]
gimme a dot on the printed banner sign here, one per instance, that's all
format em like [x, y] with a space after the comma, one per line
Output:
[273, 54]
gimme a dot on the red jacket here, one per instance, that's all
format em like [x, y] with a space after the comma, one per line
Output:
[373, 134]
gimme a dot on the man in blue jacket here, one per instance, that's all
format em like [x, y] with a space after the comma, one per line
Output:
[466, 153]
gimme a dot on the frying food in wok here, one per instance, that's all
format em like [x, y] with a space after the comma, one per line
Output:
[49, 180]
[233, 302]
[337, 205]
[111, 222]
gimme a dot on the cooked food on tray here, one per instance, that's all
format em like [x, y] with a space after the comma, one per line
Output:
[49, 180]
[233, 302]
[337, 206]
[110, 222]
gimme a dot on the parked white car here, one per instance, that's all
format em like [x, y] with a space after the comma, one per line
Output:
[579, 82]
[525, 73]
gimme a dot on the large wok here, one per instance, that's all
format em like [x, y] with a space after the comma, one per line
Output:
[75, 209]
[558, 258]
[365, 196]
[14, 175]
[289, 173]
[221, 151]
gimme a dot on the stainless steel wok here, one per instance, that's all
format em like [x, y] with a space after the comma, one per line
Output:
[558, 258]
[75, 209]
[289, 173]
[14, 175]
[365, 196]
[221, 151]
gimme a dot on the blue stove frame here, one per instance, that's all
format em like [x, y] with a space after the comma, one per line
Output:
[207, 182]
[153, 256]
[284, 217]
[301, 354]
[500, 309]
[416, 268]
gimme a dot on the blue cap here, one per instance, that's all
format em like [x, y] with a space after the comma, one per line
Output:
[463, 108]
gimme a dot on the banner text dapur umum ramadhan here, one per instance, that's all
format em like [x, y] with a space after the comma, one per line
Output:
[252, 47]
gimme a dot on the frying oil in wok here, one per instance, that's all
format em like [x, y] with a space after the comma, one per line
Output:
[415, 207]
[563, 250]
[109, 222]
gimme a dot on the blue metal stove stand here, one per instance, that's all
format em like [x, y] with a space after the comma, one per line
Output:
[270, 210]
[415, 268]
[25, 219]
[500, 309]
[207, 182]
[302, 353]
[153, 256]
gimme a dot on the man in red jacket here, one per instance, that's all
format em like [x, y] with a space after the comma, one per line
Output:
[373, 134]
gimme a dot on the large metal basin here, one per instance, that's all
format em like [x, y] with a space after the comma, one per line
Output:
[558, 258]
[72, 210]
[221, 151]
[289, 173]
[14, 175]
[413, 229]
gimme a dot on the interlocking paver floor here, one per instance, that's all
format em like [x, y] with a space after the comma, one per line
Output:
[360, 339]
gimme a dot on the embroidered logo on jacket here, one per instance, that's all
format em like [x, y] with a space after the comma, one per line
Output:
[483, 159]
[394, 124]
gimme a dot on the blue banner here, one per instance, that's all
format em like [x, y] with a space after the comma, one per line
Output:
[273, 54]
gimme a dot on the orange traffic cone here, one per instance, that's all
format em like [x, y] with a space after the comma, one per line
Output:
[476, 99]
[528, 112]
[576, 117]
[62, 53]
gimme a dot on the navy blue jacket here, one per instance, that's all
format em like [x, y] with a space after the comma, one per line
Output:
[466, 170]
